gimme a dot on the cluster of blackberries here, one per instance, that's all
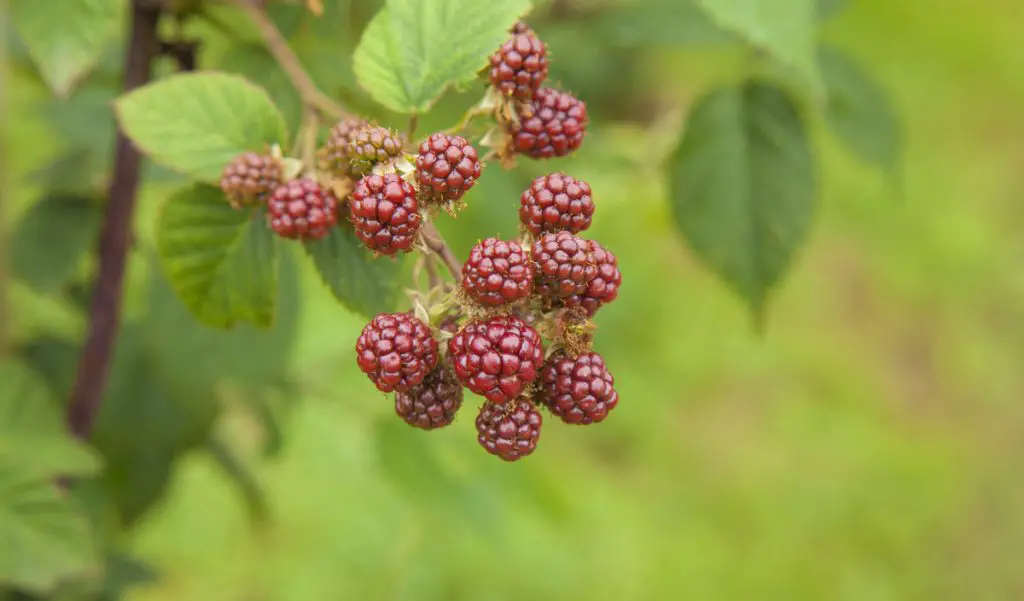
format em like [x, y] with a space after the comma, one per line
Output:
[553, 282]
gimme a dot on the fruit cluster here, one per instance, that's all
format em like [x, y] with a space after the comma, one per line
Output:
[516, 298]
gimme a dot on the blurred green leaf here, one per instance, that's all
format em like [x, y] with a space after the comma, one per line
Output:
[414, 49]
[220, 261]
[784, 29]
[743, 185]
[44, 538]
[253, 62]
[66, 37]
[661, 23]
[238, 473]
[859, 112]
[51, 239]
[830, 8]
[198, 122]
[364, 284]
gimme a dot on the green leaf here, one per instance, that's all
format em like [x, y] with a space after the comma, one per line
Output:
[830, 8]
[362, 283]
[859, 112]
[784, 29]
[743, 186]
[413, 49]
[44, 538]
[220, 261]
[66, 37]
[52, 238]
[197, 122]
[662, 23]
[253, 62]
[32, 433]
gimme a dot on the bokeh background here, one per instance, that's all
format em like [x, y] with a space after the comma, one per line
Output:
[866, 446]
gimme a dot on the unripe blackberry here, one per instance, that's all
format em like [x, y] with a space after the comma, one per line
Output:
[371, 145]
[335, 154]
[385, 213]
[562, 265]
[497, 272]
[556, 202]
[510, 431]
[447, 166]
[520, 66]
[580, 390]
[497, 357]
[552, 125]
[604, 288]
[301, 209]
[432, 403]
[396, 351]
[250, 179]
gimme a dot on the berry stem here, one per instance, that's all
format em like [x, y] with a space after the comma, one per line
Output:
[433, 278]
[435, 242]
[282, 52]
[115, 237]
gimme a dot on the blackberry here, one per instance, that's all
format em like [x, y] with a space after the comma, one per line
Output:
[385, 213]
[335, 153]
[497, 357]
[604, 288]
[301, 209]
[552, 125]
[447, 166]
[497, 272]
[371, 145]
[556, 202]
[250, 179]
[580, 390]
[562, 265]
[520, 66]
[397, 351]
[509, 432]
[432, 403]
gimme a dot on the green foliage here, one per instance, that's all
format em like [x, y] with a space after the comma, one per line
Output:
[859, 112]
[743, 186]
[51, 240]
[66, 37]
[196, 123]
[45, 537]
[363, 284]
[221, 261]
[784, 29]
[664, 22]
[414, 49]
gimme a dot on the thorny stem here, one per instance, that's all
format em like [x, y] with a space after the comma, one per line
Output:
[282, 52]
[435, 242]
[115, 236]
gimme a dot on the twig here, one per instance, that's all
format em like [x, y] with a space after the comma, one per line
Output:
[414, 121]
[104, 313]
[433, 278]
[282, 52]
[435, 242]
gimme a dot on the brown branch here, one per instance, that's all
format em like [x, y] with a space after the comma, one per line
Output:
[433, 278]
[105, 310]
[282, 52]
[435, 242]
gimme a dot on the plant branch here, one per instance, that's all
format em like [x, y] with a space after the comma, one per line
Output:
[433, 278]
[435, 242]
[115, 237]
[282, 52]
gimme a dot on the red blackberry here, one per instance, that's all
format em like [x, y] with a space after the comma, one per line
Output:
[384, 212]
[551, 126]
[433, 403]
[335, 153]
[604, 288]
[301, 209]
[556, 202]
[562, 265]
[520, 65]
[447, 166]
[397, 351]
[497, 272]
[371, 145]
[580, 390]
[510, 433]
[250, 179]
[497, 357]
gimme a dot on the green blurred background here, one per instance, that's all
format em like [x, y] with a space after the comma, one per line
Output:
[866, 447]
